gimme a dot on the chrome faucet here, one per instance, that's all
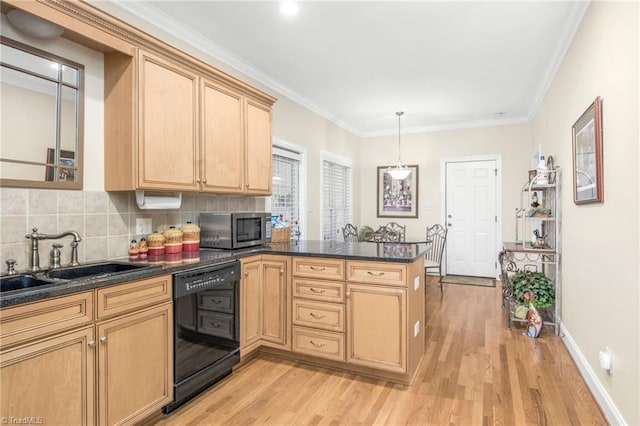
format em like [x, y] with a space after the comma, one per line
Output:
[34, 264]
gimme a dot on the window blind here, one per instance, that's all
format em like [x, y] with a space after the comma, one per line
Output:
[337, 198]
[285, 196]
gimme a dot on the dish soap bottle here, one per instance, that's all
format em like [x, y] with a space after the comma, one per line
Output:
[542, 172]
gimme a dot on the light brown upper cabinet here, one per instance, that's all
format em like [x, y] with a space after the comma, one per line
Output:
[236, 141]
[194, 132]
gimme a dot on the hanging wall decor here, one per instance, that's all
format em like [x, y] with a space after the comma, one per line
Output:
[397, 197]
[588, 185]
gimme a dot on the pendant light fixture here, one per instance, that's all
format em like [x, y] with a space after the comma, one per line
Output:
[399, 172]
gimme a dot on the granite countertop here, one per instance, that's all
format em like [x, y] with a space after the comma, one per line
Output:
[168, 264]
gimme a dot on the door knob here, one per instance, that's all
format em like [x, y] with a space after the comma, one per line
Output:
[449, 216]
[448, 224]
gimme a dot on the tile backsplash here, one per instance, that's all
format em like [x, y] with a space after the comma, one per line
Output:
[106, 221]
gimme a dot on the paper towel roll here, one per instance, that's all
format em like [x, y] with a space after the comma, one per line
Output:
[158, 200]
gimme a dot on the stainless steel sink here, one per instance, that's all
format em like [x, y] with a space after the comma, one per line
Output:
[74, 272]
[21, 281]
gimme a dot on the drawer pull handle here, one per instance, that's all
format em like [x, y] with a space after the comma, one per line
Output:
[104, 340]
[317, 345]
[375, 274]
[92, 344]
[315, 290]
[281, 271]
[318, 268]
[217, 324]
[217, 301]
[317, 316]
[246, 274]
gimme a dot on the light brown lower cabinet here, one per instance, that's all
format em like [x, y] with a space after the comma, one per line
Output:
[377, 327]
[51, 380]
[116, 369]
[264, 303]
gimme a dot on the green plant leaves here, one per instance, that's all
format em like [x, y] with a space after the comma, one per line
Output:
[536, 283]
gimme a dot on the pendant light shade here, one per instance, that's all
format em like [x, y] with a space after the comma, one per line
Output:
[399, 172]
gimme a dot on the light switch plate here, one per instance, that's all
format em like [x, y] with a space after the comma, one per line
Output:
[143, 226]
[416, 283]
[416, 328]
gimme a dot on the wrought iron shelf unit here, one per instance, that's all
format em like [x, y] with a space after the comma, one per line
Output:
[522, 254]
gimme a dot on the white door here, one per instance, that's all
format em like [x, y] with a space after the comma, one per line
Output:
[471, 218]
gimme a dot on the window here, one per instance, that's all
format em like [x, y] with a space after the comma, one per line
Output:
[337, 209]
[286, 200]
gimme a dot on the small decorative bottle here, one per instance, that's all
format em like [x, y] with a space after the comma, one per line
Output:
[542, 172]
[133, 250]
[143, 249]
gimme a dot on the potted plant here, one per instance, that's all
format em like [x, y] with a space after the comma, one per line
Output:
[535, 283]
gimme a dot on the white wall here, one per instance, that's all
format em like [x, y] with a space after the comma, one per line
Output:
[601, 290]
[511, 142]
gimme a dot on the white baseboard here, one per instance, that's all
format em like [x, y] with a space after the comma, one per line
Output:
[603, 399]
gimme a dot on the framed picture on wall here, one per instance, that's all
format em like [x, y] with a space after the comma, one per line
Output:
[397, 197]
[588, 185]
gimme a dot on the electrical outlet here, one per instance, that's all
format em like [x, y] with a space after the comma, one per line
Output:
[605, 360]
[143, 226]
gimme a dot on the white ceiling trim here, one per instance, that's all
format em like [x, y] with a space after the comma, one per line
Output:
[454, 126]
[574, 21]
[143, 9]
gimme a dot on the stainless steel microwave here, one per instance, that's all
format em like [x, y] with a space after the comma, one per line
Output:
[234, 230]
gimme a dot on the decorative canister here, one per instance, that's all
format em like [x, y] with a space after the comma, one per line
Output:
[155, 243]
[172, 240]
[190, 237]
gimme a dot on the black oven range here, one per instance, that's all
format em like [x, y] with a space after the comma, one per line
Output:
[206, 328]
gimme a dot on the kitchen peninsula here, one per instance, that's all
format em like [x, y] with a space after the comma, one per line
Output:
[350, 306]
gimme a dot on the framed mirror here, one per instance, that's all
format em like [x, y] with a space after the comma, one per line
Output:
[41, 127]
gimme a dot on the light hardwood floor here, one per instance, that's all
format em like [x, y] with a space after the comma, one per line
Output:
[474, 373]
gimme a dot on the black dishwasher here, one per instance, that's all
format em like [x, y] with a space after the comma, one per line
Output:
[206, 328]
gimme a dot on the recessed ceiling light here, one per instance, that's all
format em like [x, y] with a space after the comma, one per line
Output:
[500, 114]
[289, 8]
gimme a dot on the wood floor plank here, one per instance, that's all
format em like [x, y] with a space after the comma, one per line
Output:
[474, 372]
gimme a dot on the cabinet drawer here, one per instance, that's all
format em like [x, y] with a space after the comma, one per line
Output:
[313, 267]
[215, 324]
[323, 344]
[27, 322]
[325, 291]
[132, 296]
[327, 316]
[377, 273]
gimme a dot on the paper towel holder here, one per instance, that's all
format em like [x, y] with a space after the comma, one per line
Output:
[148, 200]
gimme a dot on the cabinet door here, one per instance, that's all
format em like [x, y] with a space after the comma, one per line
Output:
[258, 149]
[135, 365]
[168, 125]
[274, 302]
[250, 306]
[222, 148]
[51, 379]
[377, 327]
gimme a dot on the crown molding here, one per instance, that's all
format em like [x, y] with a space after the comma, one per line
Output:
[144, 10]
[449, 126]
[573, 23]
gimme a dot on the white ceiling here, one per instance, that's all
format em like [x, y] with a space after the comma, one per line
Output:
[445, 64]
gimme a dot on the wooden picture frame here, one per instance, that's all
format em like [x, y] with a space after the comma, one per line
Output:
[66, 166]
[397, 198]
[588, 185]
